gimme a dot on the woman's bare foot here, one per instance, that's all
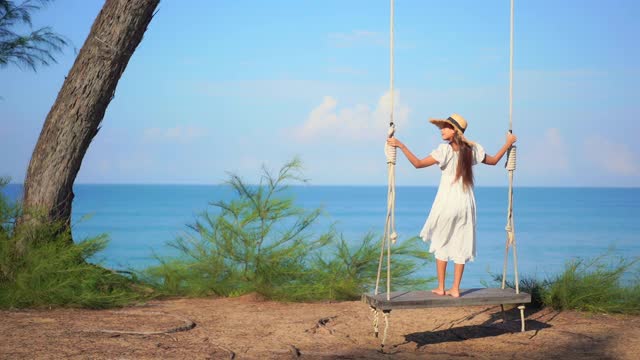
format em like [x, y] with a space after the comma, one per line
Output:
[438, 291]
[453, 292]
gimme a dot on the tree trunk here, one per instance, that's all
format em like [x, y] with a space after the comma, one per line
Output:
[74, 118]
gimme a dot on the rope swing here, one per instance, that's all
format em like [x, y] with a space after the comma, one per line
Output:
[390, 235]
[511, 167]
[425, 299]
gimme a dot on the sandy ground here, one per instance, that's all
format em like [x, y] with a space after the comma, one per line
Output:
[251, 328]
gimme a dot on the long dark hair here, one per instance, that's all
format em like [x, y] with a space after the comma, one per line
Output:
[465, 162]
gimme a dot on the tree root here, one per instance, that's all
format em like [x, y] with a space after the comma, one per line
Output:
[232, 354]
[294, 351]
[186, 326]
[322, 325]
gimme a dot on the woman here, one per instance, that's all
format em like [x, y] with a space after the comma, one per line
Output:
[451, 225]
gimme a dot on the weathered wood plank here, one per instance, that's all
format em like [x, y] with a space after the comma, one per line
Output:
[427, 299]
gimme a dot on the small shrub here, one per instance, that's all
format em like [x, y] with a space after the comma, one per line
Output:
[54, 271]
[593, 285]
[261, 242]
[350, 271]
[530, 285]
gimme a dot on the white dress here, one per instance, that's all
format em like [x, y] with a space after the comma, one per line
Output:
[451, 225]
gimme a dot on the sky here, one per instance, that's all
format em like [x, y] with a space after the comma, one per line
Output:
[229, 86]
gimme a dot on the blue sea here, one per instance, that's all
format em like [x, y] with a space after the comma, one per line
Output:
[553, 225]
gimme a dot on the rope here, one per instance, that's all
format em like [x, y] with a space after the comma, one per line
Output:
[391, 61]
[511, 167]
[511, 71]
[386, 315]
[521, 308]
[390, 235]
[375, 321]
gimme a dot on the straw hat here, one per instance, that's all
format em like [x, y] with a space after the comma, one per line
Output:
[457, 122]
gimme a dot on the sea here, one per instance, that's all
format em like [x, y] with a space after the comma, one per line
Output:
[552, 225]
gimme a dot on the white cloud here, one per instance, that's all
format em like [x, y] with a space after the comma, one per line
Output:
[179, 134]
[549, 153]
[556, 158]
[615, 157]
[356, 123]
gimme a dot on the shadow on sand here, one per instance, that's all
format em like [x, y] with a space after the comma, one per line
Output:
[494, 326]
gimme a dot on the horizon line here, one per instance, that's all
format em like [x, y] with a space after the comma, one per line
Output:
[360, 185]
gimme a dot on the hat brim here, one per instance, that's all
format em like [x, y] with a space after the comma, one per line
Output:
[440, 123]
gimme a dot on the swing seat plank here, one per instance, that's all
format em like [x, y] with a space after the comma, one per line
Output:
[427, 299]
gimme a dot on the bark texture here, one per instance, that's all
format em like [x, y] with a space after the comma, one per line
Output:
[75, 117]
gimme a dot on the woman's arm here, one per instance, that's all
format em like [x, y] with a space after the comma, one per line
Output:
[492, 160]
[417, 163]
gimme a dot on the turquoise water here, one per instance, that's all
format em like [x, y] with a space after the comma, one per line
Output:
[552, 225]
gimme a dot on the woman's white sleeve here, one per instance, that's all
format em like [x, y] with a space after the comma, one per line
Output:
[478, 154]
[441, 155]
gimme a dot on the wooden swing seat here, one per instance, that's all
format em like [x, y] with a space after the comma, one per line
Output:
[427, 299]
